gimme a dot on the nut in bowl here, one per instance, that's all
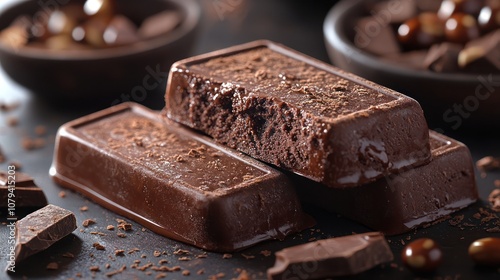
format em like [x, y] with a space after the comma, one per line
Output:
[95, 49]
[447, 58]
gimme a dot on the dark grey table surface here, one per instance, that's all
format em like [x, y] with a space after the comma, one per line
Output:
[297, 24]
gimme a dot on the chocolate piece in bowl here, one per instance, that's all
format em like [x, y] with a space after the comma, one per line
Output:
[174, 181]
[340, 256]
[27, 193]
[443, 57]
[482, 55]
[405, 200]
[284, 108]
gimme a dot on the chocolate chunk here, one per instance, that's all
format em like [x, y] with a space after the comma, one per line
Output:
[443, 57]
[488, 163]
[42, 228]
[405, 200]
[25, 193]
[376, 37]
[482, 55]
[175, 182]
[286, 109]
[341, 256]
[160, 24]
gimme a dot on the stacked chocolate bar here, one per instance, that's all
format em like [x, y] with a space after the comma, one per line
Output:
[356, 148]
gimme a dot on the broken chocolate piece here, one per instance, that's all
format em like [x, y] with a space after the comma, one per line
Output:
[42, 228]
[482, 55]
[443, 57]
[341, 256]
[26, 193]
[286, 109]
[405, 200]
[174, 181]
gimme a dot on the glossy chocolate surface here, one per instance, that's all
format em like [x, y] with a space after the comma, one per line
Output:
[287, 109]
[405, 200]
[42, 228]
[341, 256]
[174, 181]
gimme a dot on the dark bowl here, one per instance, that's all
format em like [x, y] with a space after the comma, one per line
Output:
[450, 101]
[129, 71]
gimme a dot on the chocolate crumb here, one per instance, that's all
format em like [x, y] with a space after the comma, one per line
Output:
[265, 253]
[52, 266]
[110, 227]
[160, 275]
[493, 230]
[200, 272]
[119, 252]
[186, 273]
[456, 220]
[227, 256]
[488, 163]
[121, 234]
[243, 276]
[202, 256]
[88, 222]
[184, 259]
[248, 257]
[494, 199]
[118, 271]
[181, 252]
[84, 208]
[107, 266]
[31, 144]
[125, 226]
[162, 261]
[97, 233]
[143, 256]
[62, 194]
[156, 253]
[68, 255]
[94, 268]
[133, 250]
[99, 246]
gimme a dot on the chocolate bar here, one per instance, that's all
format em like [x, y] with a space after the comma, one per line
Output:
[174, 181]
[341, 256]
[405, 200]
[42, 228]
[286, 109]
[25, 193]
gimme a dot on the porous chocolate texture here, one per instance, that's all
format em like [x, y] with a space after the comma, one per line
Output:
[410, 198]
[286, 109]
[175, 182]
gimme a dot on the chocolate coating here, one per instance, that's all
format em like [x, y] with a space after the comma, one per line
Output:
[405, 200]
[286, 109]
[341, 256]
[421, 31]
[461, 28]
[173, 181]
[486, 251]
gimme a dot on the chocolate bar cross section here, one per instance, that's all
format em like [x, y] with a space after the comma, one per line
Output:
[408, 199]
[173, 181]
[284, 108]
